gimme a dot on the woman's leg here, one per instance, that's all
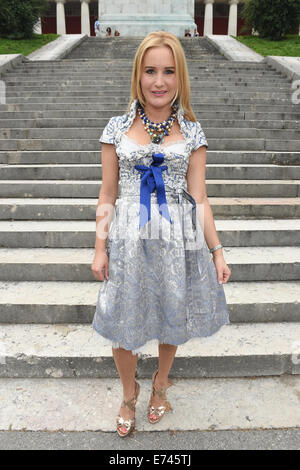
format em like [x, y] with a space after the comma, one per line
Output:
[166, 357]
[126, 365]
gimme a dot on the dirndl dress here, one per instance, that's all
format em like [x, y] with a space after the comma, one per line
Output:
[162, 285]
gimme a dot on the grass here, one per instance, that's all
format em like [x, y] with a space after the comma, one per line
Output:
[25, 46]
[289, 46]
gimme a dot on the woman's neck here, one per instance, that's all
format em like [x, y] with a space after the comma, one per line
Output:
[157, 114]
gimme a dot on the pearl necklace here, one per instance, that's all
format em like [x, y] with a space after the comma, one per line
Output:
[158, 130]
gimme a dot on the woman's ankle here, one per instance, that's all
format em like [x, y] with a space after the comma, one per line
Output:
[161, 381]
[129, 392]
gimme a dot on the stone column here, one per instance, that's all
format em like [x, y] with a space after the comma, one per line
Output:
[208, 17]
[85, 17]
[232, 21]
[60, 17]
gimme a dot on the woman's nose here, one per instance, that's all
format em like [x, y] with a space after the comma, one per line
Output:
[159, 80]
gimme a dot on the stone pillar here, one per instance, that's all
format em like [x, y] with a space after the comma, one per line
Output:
[233, 16]
[60, 17]
[85, 17]
[208, 17]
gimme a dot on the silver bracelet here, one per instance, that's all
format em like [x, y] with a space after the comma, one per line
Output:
[215, 248]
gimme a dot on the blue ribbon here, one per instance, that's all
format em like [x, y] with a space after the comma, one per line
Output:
[151, 179]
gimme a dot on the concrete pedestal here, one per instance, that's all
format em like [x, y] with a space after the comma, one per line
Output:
[135, 18]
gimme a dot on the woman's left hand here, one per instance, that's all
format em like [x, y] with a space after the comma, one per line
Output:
[223, 271]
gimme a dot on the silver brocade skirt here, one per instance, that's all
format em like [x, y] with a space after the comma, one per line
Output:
[162, 284]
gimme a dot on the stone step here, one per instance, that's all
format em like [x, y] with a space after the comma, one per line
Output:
[251, 102]
[234, 404]
[114, 94]
[118, 108]
[110, 90]
[76, 234]
[93, 133]
[75, 302]
[195, 74]
[83, 188]
[107, 63]
[92, 157]
[68, 350]
[232, 143]
[279, 81]
[84, 122]
[84, 209]
[94, 172]
[121, 85]
[96, 118]
[254, 263]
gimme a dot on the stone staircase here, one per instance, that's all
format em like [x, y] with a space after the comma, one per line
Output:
[125, 48]
[50, 178]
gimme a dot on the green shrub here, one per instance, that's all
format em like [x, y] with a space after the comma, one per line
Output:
[272, 19]
[18, 17]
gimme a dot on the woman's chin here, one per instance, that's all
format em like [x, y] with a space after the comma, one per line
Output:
[158, 102]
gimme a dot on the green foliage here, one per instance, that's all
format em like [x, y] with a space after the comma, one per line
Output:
[273, 19]
[289, 46]
[25, 46]
[18, 17]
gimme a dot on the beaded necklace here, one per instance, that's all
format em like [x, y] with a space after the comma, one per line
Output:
[158, 130]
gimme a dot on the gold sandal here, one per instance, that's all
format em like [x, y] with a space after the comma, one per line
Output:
[128, 423]
[159, 411]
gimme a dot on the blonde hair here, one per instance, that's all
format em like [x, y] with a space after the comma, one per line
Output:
[182, 95]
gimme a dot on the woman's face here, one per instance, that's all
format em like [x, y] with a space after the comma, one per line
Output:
[158, 77]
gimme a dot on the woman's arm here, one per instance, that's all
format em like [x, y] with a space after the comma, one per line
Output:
[196, 186]
[107, 195]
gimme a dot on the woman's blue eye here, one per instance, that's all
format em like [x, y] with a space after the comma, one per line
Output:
[167, 71]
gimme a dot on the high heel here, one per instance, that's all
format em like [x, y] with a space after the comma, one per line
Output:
[158, 411]
[128, 423]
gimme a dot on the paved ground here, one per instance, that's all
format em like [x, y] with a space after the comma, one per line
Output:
[282, 439]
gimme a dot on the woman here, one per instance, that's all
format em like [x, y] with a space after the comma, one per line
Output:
[108, 32]
[161, 289]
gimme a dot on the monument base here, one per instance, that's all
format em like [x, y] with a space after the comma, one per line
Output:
[132, 26]
[133, 18]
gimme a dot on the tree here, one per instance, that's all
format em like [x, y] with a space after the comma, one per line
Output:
[273, 19]
[18, 17]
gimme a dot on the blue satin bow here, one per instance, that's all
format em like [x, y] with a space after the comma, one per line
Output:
[152, 179]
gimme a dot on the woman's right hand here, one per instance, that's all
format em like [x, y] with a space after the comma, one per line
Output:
[99, 265]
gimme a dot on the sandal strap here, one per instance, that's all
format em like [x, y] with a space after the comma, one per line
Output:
[161, 392]
[130, 404]
[132, 401]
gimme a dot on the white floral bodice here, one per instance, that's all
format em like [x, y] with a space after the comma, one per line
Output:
[176, 154]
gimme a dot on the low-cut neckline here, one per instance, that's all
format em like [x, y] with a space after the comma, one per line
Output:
[150, 143]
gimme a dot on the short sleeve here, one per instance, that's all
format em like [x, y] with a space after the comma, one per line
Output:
[199, 137]
[109, 131]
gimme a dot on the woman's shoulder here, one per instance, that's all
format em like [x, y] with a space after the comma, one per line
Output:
[191, 126]
[194, 133]
[114, 124]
